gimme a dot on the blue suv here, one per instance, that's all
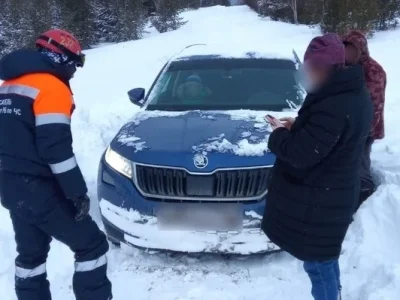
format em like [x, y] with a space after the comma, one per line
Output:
[189, 172]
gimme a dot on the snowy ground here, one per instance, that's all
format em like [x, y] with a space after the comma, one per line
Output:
[371, 262]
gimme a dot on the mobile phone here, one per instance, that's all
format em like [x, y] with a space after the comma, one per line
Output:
[270, 117]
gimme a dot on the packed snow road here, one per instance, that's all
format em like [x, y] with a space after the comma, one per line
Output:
[371, 260]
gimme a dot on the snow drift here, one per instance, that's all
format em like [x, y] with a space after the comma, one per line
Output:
[371, 260]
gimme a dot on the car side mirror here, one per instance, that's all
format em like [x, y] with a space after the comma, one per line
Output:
[137, 96]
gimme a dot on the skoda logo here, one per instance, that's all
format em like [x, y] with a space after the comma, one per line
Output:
[200, 161]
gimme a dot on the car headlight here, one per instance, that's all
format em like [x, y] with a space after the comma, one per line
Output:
[118, 162]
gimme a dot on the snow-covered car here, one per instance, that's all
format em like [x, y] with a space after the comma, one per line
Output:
[189, 172]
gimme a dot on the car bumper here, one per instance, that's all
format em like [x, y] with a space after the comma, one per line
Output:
[129, 218]
[142, 231]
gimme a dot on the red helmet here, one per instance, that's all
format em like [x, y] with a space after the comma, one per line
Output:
[62, 42]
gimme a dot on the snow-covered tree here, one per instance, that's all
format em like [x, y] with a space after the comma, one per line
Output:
[167, 15]
[206, 3]
[105, 23]
[131, 19]
[389, 14]
[332, 15]
[77, 17]
[98, 21]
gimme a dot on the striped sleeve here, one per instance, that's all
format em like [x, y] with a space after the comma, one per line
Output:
[54, 140]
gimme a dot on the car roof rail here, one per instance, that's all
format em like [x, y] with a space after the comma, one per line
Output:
[187, 47]
[193, 45]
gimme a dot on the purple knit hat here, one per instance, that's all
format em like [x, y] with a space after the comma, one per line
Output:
[326, 50]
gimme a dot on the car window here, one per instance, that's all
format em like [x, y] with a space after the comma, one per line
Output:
[160, 87]
[226, 86]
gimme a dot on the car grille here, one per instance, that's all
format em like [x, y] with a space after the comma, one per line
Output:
[168, 183]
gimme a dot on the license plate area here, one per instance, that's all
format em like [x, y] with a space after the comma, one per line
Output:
[200, 185]
[200, 216]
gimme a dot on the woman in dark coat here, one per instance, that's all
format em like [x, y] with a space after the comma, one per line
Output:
[314, 185]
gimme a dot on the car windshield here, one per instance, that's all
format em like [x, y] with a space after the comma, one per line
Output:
[226, 84]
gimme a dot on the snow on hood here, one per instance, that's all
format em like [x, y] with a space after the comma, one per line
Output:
[242, 148]
[126, 135]
[130, 140]
[226, 131]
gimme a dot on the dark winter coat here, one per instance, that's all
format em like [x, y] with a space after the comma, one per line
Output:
[36, 105]
[375, 77]
[314, 185]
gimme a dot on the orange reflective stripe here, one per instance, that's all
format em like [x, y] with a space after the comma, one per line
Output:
[54, 98]
[53, 103]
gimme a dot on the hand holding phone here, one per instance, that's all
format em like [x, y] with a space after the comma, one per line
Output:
[269, 118]
[287, 122]
[275, 123]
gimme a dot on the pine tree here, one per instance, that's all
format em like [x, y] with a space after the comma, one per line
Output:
[207, 3]
[99, 21]
[342, 16]
[20, 18]
[333, 15]
[105, 25]
[55, 12]
[77, 18]
[167, 16]
[131, 21]
[41, 19]
[5, 28]
[389, 14]
[310, 12]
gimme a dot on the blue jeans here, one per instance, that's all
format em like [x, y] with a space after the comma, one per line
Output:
[325, 279]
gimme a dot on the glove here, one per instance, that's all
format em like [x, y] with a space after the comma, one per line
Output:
[82, 205]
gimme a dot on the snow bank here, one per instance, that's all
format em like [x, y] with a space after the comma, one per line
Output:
[371, 260]
[145, 233]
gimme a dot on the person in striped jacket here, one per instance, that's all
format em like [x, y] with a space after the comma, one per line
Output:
[41, 183]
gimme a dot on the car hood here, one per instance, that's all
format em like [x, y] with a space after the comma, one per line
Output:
[173, 138]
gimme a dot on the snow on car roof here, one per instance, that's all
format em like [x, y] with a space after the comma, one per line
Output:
[201, 51]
